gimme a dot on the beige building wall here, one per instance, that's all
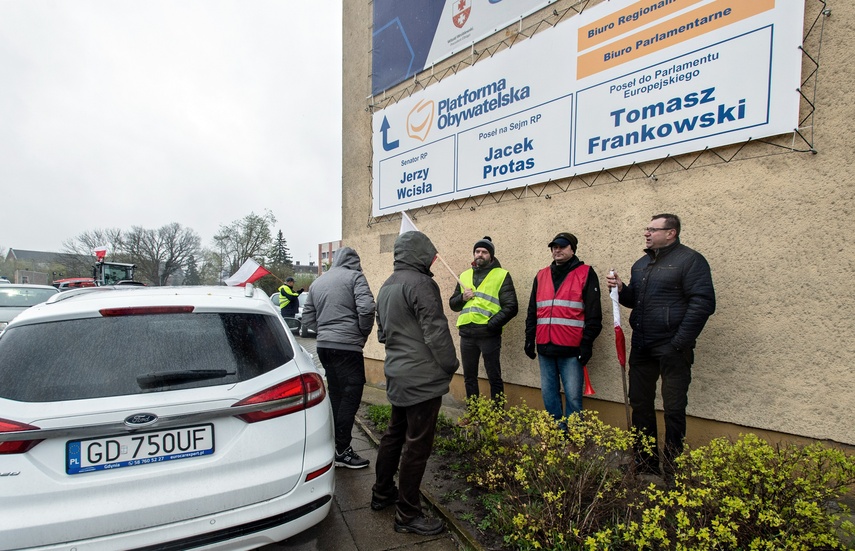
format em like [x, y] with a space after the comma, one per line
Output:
[775, 225]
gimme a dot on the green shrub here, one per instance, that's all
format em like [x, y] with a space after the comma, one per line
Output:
[550, 489]
[379, 415]
[556, 487]
[745, 494]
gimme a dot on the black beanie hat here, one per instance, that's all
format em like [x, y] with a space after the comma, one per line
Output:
[486, 243]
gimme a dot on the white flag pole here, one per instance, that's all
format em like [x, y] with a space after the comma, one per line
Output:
[408, 225]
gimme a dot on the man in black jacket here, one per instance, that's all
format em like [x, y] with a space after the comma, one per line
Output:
[487, 301]
[671, 295]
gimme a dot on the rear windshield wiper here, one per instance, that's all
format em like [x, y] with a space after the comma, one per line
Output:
[166, 378]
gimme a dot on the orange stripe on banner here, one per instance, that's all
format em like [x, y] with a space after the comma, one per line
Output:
[696, 23]
[628, 19]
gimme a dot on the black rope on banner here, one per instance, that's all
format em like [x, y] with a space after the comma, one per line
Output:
[650, 169]
[810, 113]
[823, 11]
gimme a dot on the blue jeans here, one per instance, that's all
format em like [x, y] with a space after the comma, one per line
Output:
[570, 372]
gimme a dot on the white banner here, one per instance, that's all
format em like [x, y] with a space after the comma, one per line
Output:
[623, 82]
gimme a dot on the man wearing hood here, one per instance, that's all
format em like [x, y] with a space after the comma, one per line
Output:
[341, 306]
[564, 317]
[420, 362]
[487, 301]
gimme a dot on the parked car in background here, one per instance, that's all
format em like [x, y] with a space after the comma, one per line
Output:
[297, 327]
[160, 418]
[73, 283]
[15, 298]
[304, 330]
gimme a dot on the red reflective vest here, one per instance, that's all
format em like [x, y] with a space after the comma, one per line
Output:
[561, 315]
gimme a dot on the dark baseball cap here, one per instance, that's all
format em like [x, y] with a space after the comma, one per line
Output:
[289, 278]
[563, 239]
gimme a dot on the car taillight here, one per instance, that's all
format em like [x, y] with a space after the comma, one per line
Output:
[15, 446]
[145, 310]
[292, 395]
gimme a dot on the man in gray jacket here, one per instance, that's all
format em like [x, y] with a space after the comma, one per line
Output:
[341, 306]
[420, 361]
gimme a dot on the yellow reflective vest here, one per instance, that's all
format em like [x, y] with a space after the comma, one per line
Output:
[485, 303]
[283, 302]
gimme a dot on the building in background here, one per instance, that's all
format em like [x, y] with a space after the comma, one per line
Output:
[305, 269]
[502, 137]
[42, 268]
[326, 255]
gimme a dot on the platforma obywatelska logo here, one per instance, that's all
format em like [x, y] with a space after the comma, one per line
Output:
[420, 119]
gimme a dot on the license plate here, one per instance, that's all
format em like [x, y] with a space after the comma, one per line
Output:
[144, 448]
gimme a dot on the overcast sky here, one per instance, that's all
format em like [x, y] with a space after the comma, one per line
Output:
[120, 113]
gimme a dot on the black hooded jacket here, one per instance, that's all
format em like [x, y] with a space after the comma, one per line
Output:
[420, 355]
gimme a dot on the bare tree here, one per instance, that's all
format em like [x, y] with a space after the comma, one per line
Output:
[248, 237]
[79, 250]
[162, 253]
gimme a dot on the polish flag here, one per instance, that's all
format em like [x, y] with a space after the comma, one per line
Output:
[249, 272]
[620, 346]
[100, 253]
[406, 224]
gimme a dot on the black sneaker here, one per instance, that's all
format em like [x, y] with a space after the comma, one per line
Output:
[420, 525]
[380, 503]
[350, 459]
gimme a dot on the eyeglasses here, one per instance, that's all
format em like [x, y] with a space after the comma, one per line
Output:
[654, 230]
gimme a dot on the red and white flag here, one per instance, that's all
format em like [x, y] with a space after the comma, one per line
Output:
[620, 340]
[620, 346]
[249, 272]
[100, 253]
[406, 224]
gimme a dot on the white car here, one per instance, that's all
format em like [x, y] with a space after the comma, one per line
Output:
[159, 418]
[15, 298]
[298, 328]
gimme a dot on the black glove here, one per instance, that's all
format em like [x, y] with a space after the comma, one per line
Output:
[585, 354]
[529, 349]
[687, 354]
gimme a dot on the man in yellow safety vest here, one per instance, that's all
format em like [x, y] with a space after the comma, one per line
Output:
[486, 301]
[289, 304]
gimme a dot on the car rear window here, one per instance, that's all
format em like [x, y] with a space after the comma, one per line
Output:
[19, 297]
[124, 355]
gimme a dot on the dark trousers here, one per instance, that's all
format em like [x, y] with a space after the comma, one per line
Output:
[345, 382]
[470, 351]
[414, 426]
[646, 366]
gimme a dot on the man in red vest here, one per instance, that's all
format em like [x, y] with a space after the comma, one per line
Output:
[564, 318]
